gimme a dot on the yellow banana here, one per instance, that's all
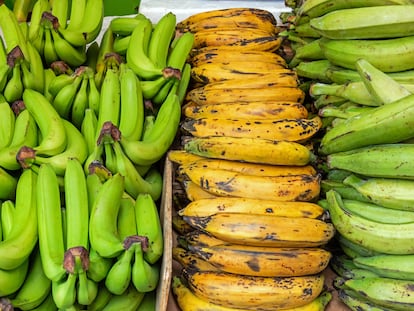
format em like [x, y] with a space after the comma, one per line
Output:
[230, 95]
[198, 238]
[254, 292]
[195, 192]
[265, 261]
[285, 129]
[209, 207]
[189, 260]
[302, 187]
[232, 17]
[179, 225]
[216, 72]
[260, 110]
[238, 38]
[254, 150]
[265, 230]
[218, 54]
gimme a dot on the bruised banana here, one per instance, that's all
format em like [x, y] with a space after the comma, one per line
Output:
[302, 187]
[252, 292]
[265, 230]
[187, 259]
[252, 150]
[209, 207]
[285, 129]
[195, 192]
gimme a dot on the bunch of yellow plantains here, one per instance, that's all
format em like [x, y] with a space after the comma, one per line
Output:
[362, 86]
[250, 236]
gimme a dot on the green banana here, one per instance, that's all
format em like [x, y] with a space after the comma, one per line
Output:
[47, 305]
[372, 235]
[51, 242]
[387, 192]
[103, 232]
[93, 95]
[12, 279]
[314, 69]
[389, 293]
[128, 301]
[148, 222]
[355, 248]
[149, 302]
[121, 44]
[8, 185]
[389, 266]
[127, 225]
[359, 273]
[101, 300]
[7, 217]
[49, 122]
[119, 276]
[88, 129]
[383, 160]
[87, 289]
[346, 192]
[13, 89]
[16, 249]
[341, 263]
[145, 276]
[64, 291]
[72, 55]
[180, 51]
[60, 9]
[63, 101]
[136, 55]
[124, 25]
[388, 55]
[161, 38]
[36, 286]
[80, 103]
[307, 52]
[49, 53]
[49, 75]
[76, 14]
[163, 92]
[356, 302]
[33, 71]
[59, 82]
[105, 48]
[98, 266]
[184, 82]
[376, 22]
[385, 124]
[7, 124]
[131, 119]
[150, 88]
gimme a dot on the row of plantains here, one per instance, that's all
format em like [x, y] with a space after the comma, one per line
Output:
[82, 132]
[353, 58]
[249, 233]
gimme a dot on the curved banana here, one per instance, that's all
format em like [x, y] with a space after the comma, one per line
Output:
[13, 279]
[252, 150]
[80, 103]
[128, 301]
[98, 266]
[195, 192]
[355, 301]
[180, 51]
[13, 89]
[87, 289]
[74, 56]
[76, 14]
[187, 259]
[7, 124]
[119, 275]
[101, 300]
[64, 291]
[7, 218]
[8, 185]
[265, 230]
[252, 292]
[63, 101]
[209, 207]
[145, 276]
[22, 239]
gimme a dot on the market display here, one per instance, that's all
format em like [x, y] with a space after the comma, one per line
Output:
[83, 131]
[362, 88]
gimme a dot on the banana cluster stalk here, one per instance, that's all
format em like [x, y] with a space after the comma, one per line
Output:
[358, 86]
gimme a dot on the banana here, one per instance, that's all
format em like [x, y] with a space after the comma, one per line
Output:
[124, 25]
[209, 207]
[195, 192]
[149, 225]
[103, 234]
[87, 289]
[379, 237]
[22, 9]
[161, 37]
[163, 133]
[223, 71]
[101, 300]
[74, 56]
[149, 302]
[75, 148]
[93, 95]
[33, 71]
[298, 130]
[355, 301]
[383, 160]
[344, 137]
[13, 89]
[49, 122]
[49, 75]
[8, 185]
[106, 48]
[180, 50]
[128, 301]
[237, 259]
[63, 101]
[76, 14]
[7, 124]
[98, 266]
[88, 129]
[47, 305]
[61, 10]
[395, 294]
[253, 150]
[251, 233]
[145, 276]
[126, 218]
[36, 287]
[217, 55]
[252, 292]
[231, 95]
[59, 82]
[49, 53]
[386, 192]
[222, 182]
[131, 119]
[136, 55]
[347, 24]
[150, 88]
[119, 275]
[80, 103]
[11, 280]
[51, 243]
[388, 55]
[23, 236]
[187, 259]
[64, 291]
[314, 69]
[7, 217]
[346, 192]
[188, 161]
[163, 92]
[198, 238]
[310, 51]
[356, 249]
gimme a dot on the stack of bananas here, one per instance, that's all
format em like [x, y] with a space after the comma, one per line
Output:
[81, 139]
[354, 54]
[250, 237]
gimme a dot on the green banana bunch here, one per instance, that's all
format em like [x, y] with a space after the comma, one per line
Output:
[355, 301]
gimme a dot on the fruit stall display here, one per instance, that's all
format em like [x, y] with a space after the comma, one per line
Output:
[231, 159]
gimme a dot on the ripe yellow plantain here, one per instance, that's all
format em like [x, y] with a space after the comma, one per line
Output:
[199, 238]
[265, 230]
[219, 54]
[254, 292]
[209, 207]
[264, 261]
[251, 150]
[195, 192]
[189, 260]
